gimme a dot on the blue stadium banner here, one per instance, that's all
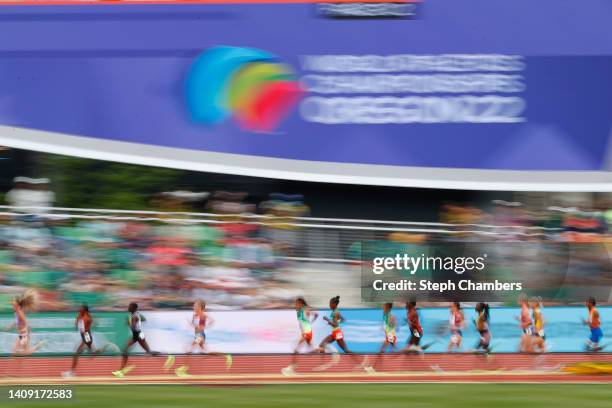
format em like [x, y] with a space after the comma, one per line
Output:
[277, 331]
[436, 93]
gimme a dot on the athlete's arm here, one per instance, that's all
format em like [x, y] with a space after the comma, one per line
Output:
[334, 321]
[312, 315]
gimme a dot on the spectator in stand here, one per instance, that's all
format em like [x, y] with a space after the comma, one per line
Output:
[178, 201]
[30, 192]
[281, 225]
[584, 226]
[225, 202]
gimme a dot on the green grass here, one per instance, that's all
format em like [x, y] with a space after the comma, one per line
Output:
[333, 395]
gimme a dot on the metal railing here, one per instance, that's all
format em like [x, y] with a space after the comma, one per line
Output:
[309, 238]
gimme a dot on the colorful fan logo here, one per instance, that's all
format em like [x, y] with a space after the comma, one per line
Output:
[248, 84]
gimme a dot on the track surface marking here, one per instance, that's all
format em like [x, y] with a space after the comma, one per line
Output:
[266, 369]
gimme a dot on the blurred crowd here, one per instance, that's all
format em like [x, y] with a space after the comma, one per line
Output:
[560, 253]
[237, 256]
[517, 222]
[162, 259]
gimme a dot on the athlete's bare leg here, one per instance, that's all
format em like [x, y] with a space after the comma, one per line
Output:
[326, 341]
[78, 351]
[124, 355]
[322, 349]
[383, 350]
[296, 351]
[145, 346]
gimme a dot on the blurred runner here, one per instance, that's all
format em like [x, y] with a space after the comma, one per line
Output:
[305, 319]
[594, 323]
[389, 327]
[482, 325]
[21, 304]
[525, 324]
[84, 322]
[416, 330]
[335, 320]
[134, 321]
[539, 336]
[457, 323]
[199, 321]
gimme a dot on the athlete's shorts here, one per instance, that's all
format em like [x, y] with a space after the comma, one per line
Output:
[540, 333]
[137, 335]
[390, 338]
[307, 336]
[596, 335]
[86, 338]
[199, 338]
[485, 338]
[337, 334]
[415, 337]
[456, 336]
[528, 331]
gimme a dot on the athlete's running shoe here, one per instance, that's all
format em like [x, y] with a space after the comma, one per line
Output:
[169, 362]
[182, 372]
[288, 371]
[118, 373]
[369, 370]
[121, 373]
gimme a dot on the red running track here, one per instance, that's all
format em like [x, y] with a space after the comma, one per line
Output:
[248, 369]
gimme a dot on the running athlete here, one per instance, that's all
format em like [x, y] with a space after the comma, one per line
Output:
[389, 327]
[305, 319]
[199, 321]
[134, 321]
[594, 324]
[84, 322]
[482, 325]
[335, 320]
[416, 331]
[457, 323]
[525, 324]
[21, 304]
[539, 337]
